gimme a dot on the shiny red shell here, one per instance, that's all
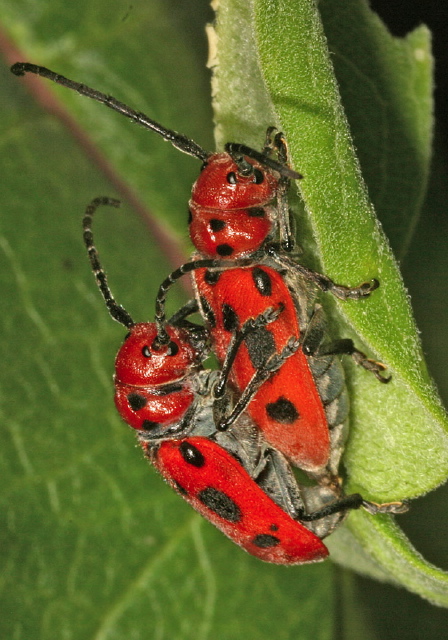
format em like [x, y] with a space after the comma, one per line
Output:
[287, 407]
[139, 363]
[142, 374]
[214, 188]
[230, 219]
[220, 489]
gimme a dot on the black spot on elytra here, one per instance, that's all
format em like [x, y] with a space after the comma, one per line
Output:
[274, 527]
[224, 250]
[282, 410]
[216, 224]
[212, 277]
[260, 345]
[229, 318]
[256, 212]
[221, 504]
[208, 312]
[136, 401]
[191, 455]
[262, 281]
[149, 425]
[265, 541]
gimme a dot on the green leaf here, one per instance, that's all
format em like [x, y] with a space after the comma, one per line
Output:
[382, 540]
[386, 87]
[398, 430]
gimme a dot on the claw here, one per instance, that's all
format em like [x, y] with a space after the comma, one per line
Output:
[386, 507]
[355, 293]
[373, 366]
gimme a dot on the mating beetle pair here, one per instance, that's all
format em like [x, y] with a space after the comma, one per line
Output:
[269, 334]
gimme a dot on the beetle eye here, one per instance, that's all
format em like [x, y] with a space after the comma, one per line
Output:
[231, 178]
[173, 349]
[259, 176]
[146, 352]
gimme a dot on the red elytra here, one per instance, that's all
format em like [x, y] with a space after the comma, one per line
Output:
[288, 406]
[220, 489]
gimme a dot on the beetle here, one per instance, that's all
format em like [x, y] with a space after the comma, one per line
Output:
[233, 477]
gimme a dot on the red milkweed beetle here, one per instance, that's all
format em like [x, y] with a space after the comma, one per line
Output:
[233, 477]
[237, 204]
[303, 409]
